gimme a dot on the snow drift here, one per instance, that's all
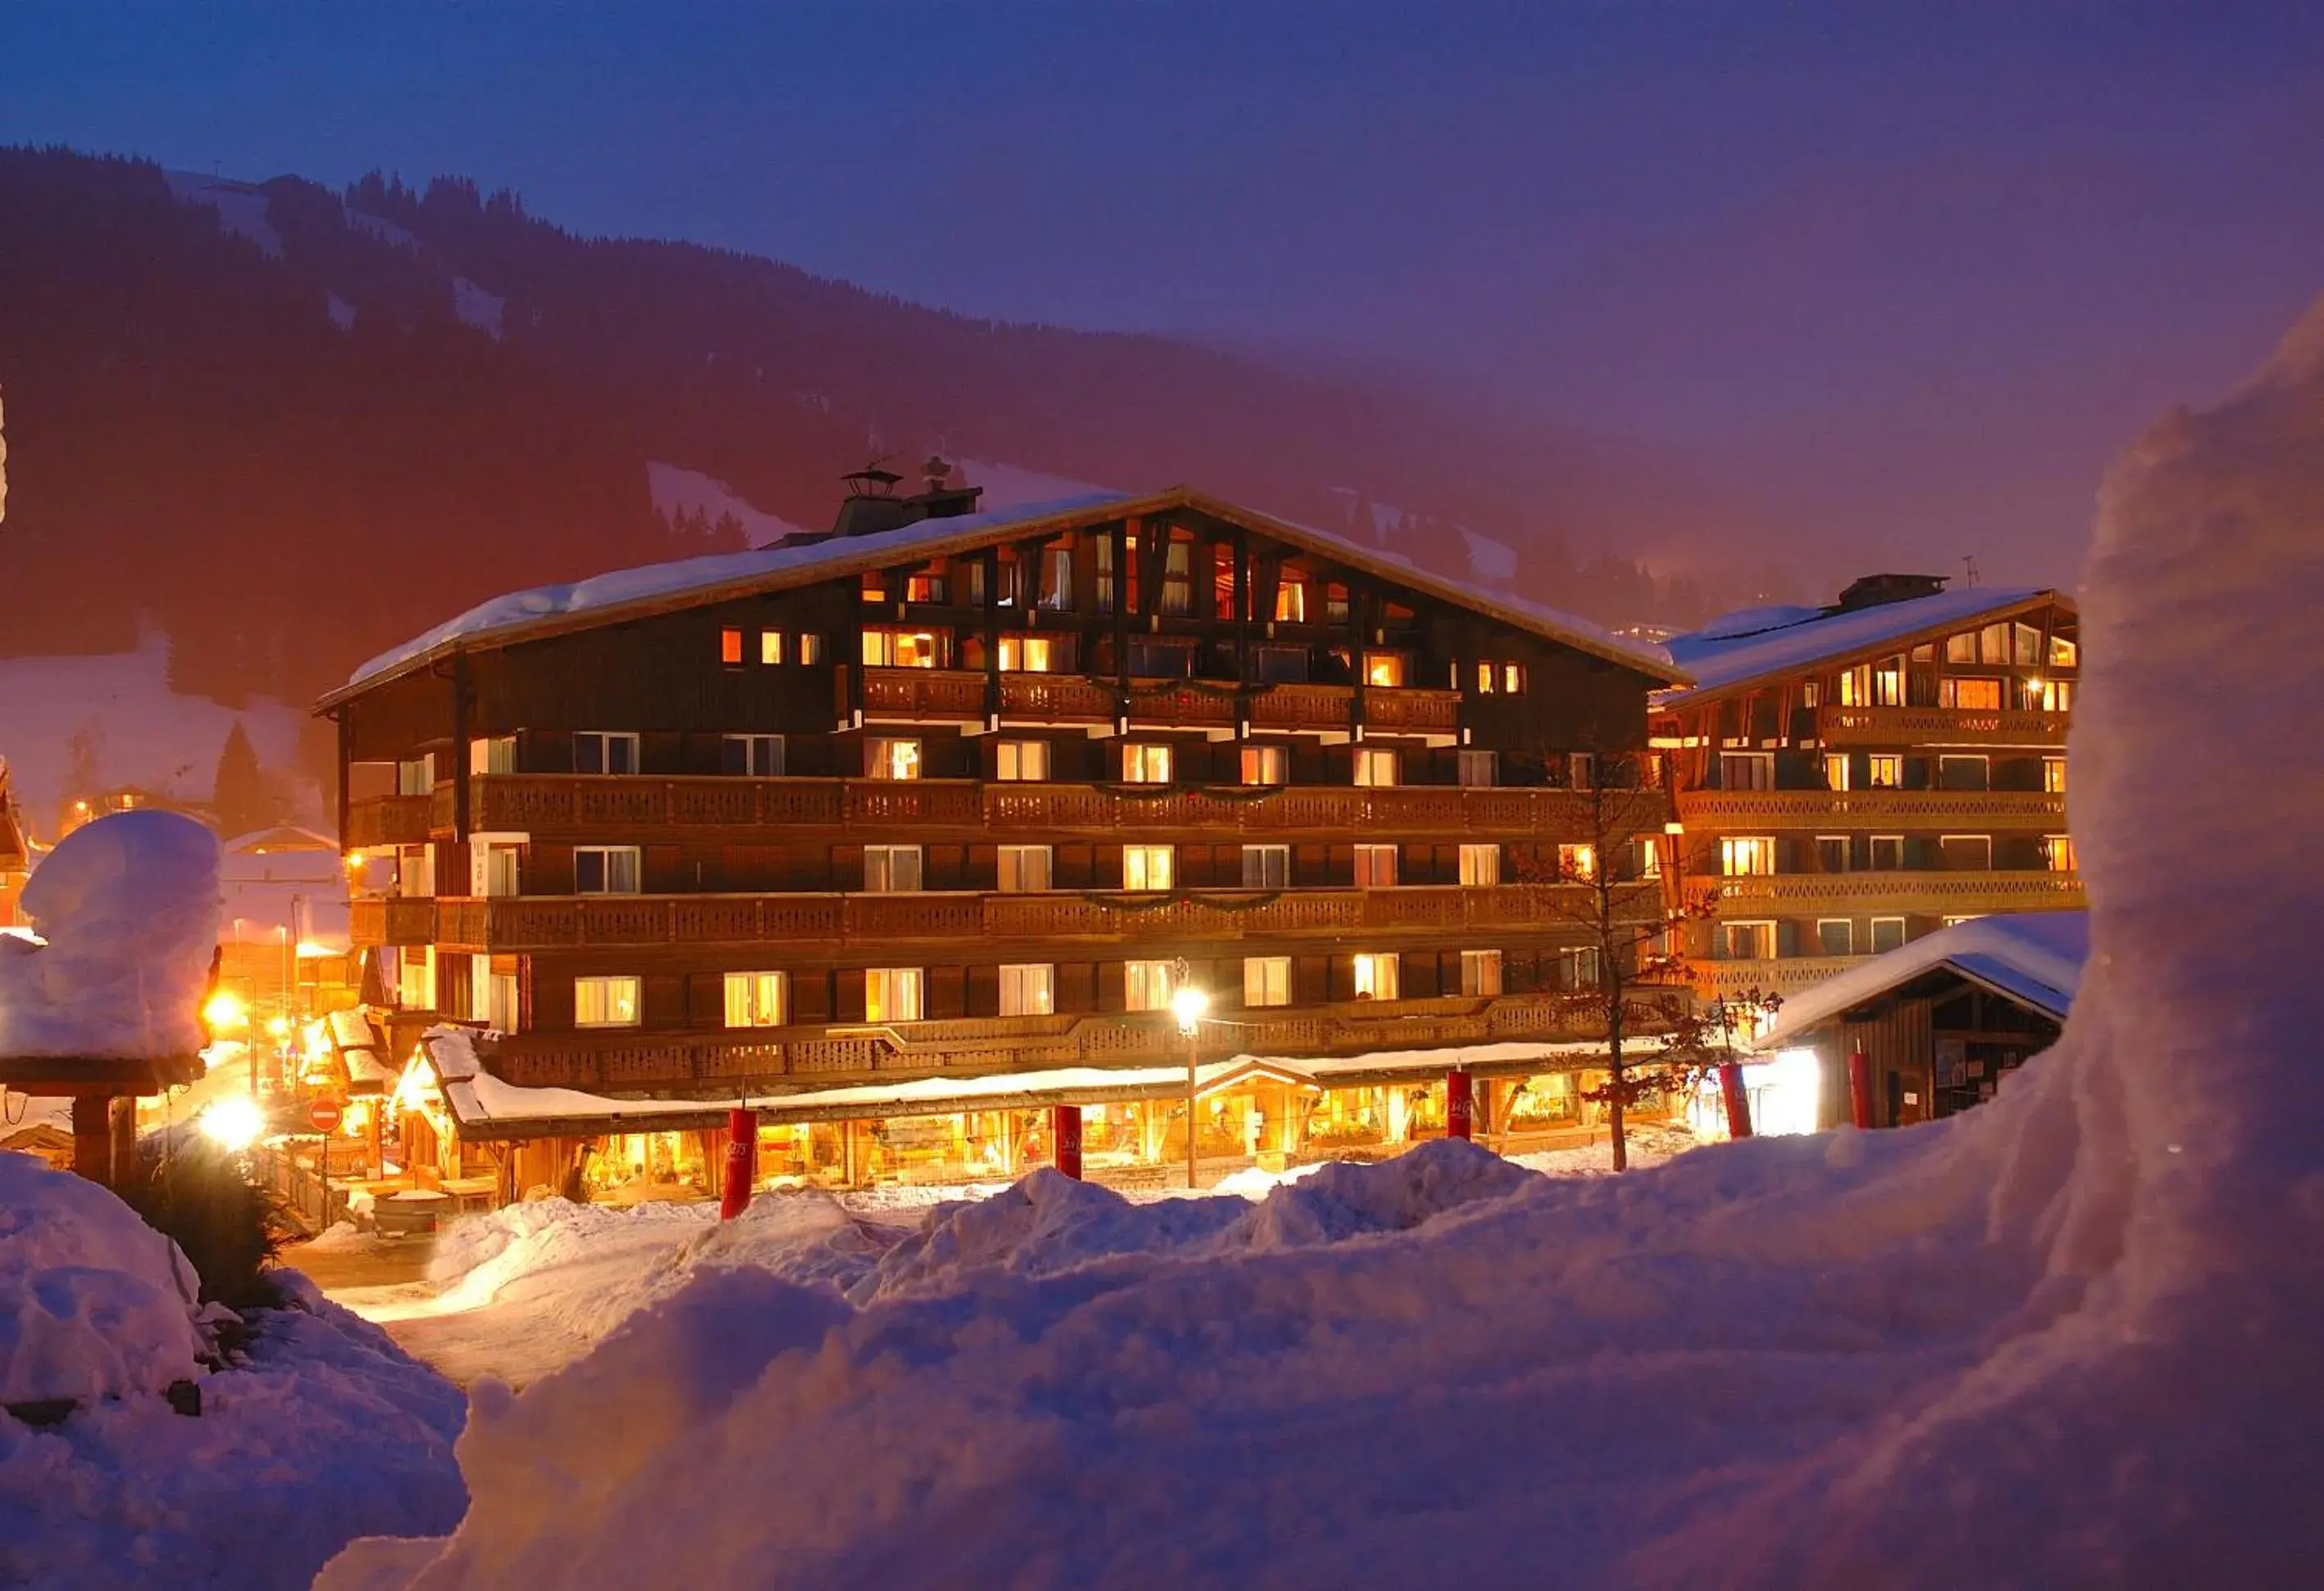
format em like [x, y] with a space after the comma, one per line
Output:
[129, 907]
[2061, 1339]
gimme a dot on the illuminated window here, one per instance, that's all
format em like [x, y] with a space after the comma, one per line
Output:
[1993, 644]
[1058, 578]
[1145, 985]
[606, 869]
[1021, 761]
[1750, 942]
[1103, 547]
[1267, 867]
[892, 870]
[1961, 648]
[885, 759]
[2025, 646]
[1865, 685]
[1883, 773]
[1031, 654]
[770, 647]
[1488, 678]
[1480, 769]
[1146, 866]
[1481, 972]
[500, 1004]
[415, 775]
[1222, 581]
[1740, 856]
[1375, 867]
[1887, 933]
[751, 755]
[603, 752]
[1029, 990]
[1480, 865]
[416, 978]
[2047, 695]
[1650, 856]
[495, 754]
[1266, 981]
[495, 871]
[1266, 765]
[730, 646]
[1335, 603]
[1513, 678]
[875, 588]
[2063, 653]
[1375, 767]
[605, 1002]
[928, 585]
[1291, 601]
[810, 649]
[1145, 763]
[1384, 668]
[1376, 976]
[1578, 863]
[892, 994]
[756, 1000]
[1178, 578]
[2058, 852]
[1969, 694]
[902, 648]
[2053, 775]
[1024, 869]
[1581, 968]
[1835, 771]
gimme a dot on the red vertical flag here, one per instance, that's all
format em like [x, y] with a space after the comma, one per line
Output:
[1068, 1127]
[741, 1163]
[1738, 1103]
[1460, 1107]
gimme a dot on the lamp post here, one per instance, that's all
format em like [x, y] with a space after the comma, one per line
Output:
[1188, 1003]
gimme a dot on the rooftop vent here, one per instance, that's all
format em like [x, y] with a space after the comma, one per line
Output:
[872, 505]
[1874, 591]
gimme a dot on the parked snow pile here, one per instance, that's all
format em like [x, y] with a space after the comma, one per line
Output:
[2063, 1339]
[128, 905]
[94, 1303]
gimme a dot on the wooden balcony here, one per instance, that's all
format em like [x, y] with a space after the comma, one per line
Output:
[1886, 894]
[600, 806]
[831, 922]
[1841, 812]
[1900, 727]
[969, 1046]
[392, 919]
[387, 820]
[1784, 975]
[937, 695]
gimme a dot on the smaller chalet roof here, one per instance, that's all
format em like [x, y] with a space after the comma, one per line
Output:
[2033, 958]
[1762, 642]
[626, 593]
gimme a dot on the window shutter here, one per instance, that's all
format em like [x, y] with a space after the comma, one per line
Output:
[948, 991]
[1076, 987]
[1109, 990]
[982, 991]
[847, 1001]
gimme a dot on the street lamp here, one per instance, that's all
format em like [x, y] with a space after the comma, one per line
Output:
[1188, 1003]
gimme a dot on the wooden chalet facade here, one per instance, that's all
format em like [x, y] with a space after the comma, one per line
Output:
[1855, 778]
[950, 794]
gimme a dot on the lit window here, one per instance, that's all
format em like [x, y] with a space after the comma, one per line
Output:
[1649, 856]
[1578, 864]
[1146, 866]
[1835, 936]
[1750, 942]
[2058, 852]
[1058, 578]
[1883, 773]
[730, 646]
[1021, 761]
[892, 870]
[415, 775]
[1740, 856]
[892, 994]
[1031, 654]
[755, 999]
[1178, 578]
[1024, 869]
[1375, 867]
[1145, 985]
[1480, 865]
[2063, 653]
[810, 649]
[1375, 767]
[1145, 763]
[1481, 972]
[925, 586]
[1480, 769]
[600, 751]
[1970, 694]
[1993, 644]
[770, 647]
[416, 978]
[1029, 990]
[1103, 546]
[902, 648]
[757, 757]
[1266, 765]
[1291, 601]
[1335, 604]
[875, 588]
[604, 1002]
[1376, 976]
[1267, 867]
[1582, 967]
[1266, 981]
[1887, 933]
[2048, 695]
[2025, 646]
[885, 759]
[2053, 775]
[1488, 678]
[1513, 678]
[1961, 648]
[495, 754]
[1835, 771]
[500, 1005]
[1385, 669]
[606, 869]
[495, 867]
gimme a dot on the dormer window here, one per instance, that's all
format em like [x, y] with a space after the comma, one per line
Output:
[1178, 576]
[925, 586]
[1291, 600]
[1335, 603]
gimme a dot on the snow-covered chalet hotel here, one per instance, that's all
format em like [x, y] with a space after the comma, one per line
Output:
[905, 831]
[1853, 776]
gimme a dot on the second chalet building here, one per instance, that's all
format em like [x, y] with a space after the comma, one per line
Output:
[907, 829]
[1853, 777]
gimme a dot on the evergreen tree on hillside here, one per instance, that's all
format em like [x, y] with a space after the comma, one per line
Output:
[241, 800]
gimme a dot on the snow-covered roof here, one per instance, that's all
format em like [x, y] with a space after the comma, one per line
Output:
[490, 1106]
[1763, 641]
[625, 594]
[2034, 958]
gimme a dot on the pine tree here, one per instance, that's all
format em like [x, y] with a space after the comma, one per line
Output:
[242, 801]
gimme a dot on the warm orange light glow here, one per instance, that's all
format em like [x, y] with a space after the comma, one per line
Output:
[224, 1012]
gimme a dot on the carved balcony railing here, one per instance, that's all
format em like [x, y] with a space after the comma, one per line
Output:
[1938, 726]
[386, 819]
[1855, 811]
[943, 695]
[1942, 894]
[407, 919]
[1783, 975]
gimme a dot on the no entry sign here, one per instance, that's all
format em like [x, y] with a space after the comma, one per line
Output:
[325, 1113]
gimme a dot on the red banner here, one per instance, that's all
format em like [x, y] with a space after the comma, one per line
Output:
[1859, 1089]
[1459, 1105]
[741, 1163]
[1738, 1103]
[1068, 1128]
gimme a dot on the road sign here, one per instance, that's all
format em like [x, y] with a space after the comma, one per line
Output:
[325, 1113]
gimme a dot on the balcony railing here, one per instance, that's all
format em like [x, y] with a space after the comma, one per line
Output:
[611, 806]
[1938, 726]
[539, 923]
[955, 695]
[387, 820]
[1783, 975]
[1854, 811]
[407, 919]
[980, 1045]
[1942, 894]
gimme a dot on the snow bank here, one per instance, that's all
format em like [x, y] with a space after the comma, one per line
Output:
[129, 906]
[2063, 1339]
[94, 1303]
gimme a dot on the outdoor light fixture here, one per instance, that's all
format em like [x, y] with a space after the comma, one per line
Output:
[224, 1012]
[1188, 1004]
[232, 1123]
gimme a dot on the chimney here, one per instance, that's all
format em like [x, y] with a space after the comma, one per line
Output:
[872, 505]
[1875, 591]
